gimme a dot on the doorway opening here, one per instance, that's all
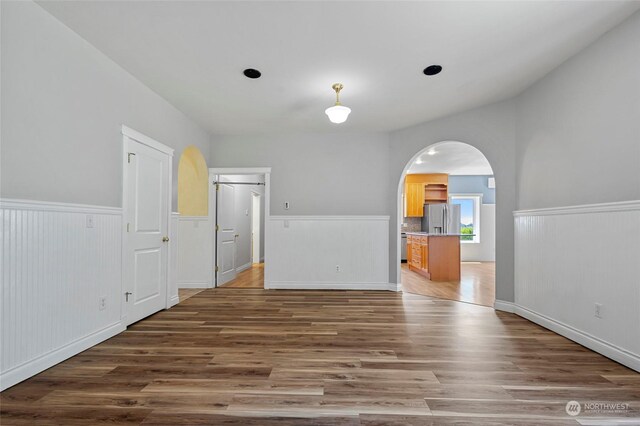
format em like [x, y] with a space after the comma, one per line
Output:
[446, 211]
[240, 200]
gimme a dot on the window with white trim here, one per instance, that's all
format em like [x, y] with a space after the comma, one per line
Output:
[469, 215]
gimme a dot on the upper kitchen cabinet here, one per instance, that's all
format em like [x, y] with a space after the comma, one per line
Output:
[421, 189]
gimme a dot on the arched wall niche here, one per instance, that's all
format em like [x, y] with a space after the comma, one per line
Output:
[193, 194]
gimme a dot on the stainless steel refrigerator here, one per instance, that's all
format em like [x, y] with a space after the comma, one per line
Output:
[441, 219]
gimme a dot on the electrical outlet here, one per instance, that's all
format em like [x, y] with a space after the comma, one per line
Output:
[337, 268]
[89, 221]
[598, 311]
[102, 303]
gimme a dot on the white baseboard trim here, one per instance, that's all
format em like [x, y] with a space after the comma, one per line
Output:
[37, 365]
[501, 305]
[243, 267]
[620, 355]
[194, 284]
[174, 301]
[397, 287]
[286, 285]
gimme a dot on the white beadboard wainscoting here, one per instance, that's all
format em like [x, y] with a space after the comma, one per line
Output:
[58, 261]
[567, 260]
[328, 252]
[195, 252]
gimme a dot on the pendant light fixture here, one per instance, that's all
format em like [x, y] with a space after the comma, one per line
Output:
[337, 113]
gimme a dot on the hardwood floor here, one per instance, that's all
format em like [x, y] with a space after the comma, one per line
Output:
[185, 293]
[250, 278]
[477, 284]
[255, 357]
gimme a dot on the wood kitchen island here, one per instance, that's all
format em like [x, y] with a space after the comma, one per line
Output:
[435, 256]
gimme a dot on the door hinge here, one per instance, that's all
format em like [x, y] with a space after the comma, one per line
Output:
[217, 227]
[129, 156]
[217, 187]
[216, 268]
[127, 227]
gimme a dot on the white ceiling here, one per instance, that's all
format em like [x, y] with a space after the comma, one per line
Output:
[454, 158]
[193, 54]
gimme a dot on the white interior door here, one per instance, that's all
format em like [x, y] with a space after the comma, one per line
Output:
[226, 234]
[147, 205]
[255, 228]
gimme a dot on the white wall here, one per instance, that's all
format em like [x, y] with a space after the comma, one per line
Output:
[578, 137]
[195, 252]
[579, 129]
[485, 250]
[318, 174]
[63, 105]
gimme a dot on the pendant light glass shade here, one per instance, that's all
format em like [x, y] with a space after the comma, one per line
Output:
[337, 113]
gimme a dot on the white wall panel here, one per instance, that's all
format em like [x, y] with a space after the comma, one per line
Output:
[569, 259]
[173, 297]
[337, 252]
[195, 252]
[55, 269]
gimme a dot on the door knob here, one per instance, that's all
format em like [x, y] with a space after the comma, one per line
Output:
[165, 239]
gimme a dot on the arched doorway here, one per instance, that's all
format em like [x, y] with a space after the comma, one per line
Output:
[451, 180]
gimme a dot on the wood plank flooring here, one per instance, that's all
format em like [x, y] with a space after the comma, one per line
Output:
[255, 357]
[477, 284]
[185, 293]
[250, 278]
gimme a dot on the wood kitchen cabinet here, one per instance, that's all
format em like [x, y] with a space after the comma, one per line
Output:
[414, 197]
[424, 188]
[435, 257]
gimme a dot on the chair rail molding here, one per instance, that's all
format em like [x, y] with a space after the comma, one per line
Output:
[576, 273]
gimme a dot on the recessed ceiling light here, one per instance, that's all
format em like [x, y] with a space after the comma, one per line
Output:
[432, 152]
[432, 70]
[252, 73]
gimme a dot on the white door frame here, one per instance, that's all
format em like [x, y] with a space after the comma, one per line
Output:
[214, 172]
[255, 195]
[127, 134]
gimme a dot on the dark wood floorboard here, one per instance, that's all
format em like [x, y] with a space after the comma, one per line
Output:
[253, 357]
